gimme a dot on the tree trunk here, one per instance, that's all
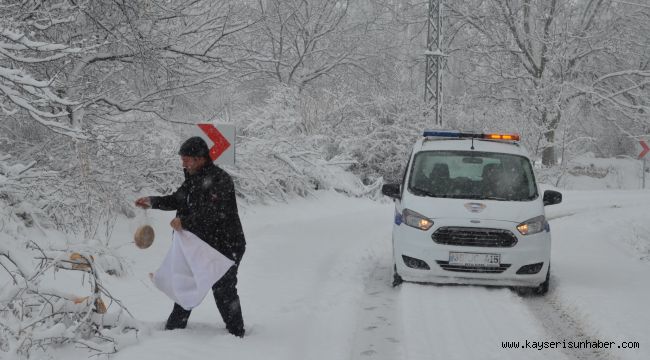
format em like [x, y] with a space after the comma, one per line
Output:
[548, 154]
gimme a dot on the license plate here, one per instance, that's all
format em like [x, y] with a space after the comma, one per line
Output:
[474, 259]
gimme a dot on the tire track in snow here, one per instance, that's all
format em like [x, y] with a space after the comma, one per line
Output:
[377, 334]
[426, 321]
[560, 325]
[464, 322]
[556, 318]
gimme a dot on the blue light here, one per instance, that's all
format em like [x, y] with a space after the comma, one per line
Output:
[441, 133]
[398, 218]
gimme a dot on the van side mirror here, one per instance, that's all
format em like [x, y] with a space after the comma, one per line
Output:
[391, 190]
[552, 197]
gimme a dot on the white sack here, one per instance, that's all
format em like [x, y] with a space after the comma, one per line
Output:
[189, 269]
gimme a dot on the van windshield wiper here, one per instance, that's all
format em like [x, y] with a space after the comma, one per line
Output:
[467, 196]
[473, 197]
[464, 196]
[494, 198]
[420, 191]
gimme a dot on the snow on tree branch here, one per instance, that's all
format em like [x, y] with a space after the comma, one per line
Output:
[21, 92]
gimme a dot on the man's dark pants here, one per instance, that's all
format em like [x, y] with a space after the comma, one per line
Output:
[227, 299]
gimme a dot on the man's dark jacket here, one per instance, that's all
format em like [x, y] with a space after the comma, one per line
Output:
[207, 207]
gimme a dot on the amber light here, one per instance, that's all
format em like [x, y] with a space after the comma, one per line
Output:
[511, 137]
[424, 224]
[523, 229]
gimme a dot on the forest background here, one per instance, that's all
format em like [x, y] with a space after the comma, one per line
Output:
[96, 95]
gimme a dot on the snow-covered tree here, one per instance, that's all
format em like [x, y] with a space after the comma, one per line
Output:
[111, 76]
[31, 84]
[538, 57]
[298, 42]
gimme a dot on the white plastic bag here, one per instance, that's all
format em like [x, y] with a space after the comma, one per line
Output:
[189, 270]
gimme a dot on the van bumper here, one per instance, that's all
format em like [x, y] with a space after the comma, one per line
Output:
[416, 244]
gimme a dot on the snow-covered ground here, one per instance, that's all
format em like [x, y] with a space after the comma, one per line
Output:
[315, 284]
[588, 172]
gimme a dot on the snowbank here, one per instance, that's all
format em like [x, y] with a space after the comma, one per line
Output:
[588, 172]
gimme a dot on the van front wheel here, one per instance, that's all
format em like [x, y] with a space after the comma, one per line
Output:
[542, 289]
[397, 280]
[539, 290]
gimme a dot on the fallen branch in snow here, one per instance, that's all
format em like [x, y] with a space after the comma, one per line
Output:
[33, 317]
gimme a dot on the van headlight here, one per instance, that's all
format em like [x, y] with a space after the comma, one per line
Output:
[532, 226]
[413, 219]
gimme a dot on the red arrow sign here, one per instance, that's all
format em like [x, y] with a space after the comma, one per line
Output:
[645, 149]
[221, 144]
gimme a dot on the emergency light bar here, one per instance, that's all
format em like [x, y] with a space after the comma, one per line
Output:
[511, 137]
[458, 134]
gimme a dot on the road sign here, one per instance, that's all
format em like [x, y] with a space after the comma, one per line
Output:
[645, 149]
[221, 141]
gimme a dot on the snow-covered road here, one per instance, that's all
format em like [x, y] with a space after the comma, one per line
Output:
[315, 284]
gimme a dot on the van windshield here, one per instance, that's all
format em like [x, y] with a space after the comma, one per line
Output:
[472, 175]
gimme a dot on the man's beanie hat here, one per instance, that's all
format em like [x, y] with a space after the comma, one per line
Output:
[194, 146]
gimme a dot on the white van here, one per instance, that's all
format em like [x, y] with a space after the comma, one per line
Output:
[469, 211]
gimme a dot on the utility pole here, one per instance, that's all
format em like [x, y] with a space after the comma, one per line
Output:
[434, 61]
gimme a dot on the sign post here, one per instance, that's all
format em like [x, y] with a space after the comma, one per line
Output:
[642, 155]
[221, 141]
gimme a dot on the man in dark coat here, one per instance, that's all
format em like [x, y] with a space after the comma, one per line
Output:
[205, 205]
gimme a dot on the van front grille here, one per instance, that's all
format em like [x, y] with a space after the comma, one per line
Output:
[469, 236]
[473, 269]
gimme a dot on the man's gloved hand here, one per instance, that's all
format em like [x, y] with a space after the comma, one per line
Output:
[176, 224]
[143, 202]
